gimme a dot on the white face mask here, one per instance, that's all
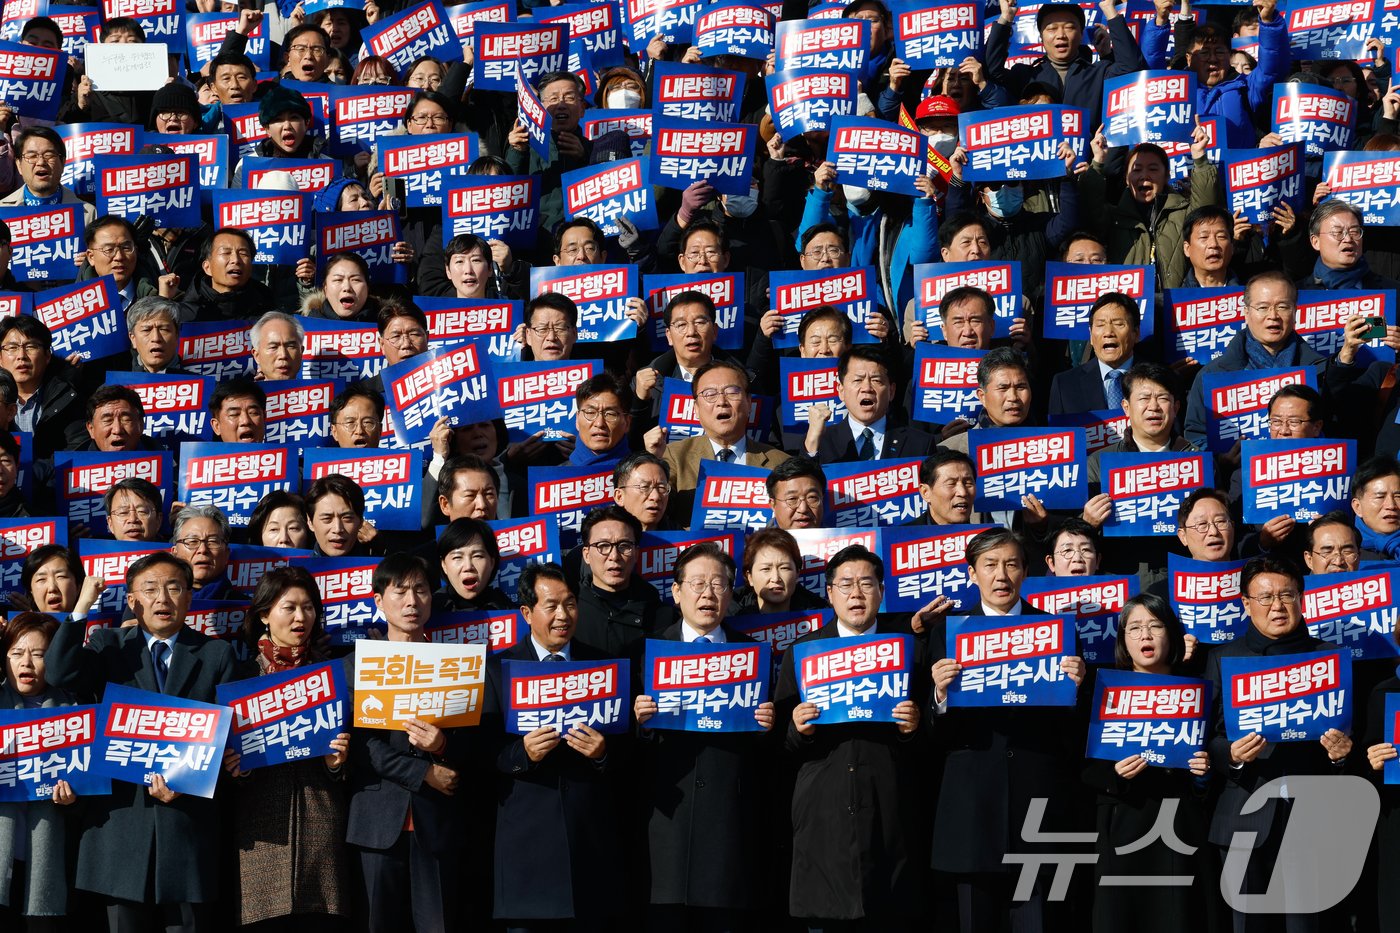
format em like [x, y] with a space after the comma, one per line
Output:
[943, 143]
[741, 205]
[623, 99]
[855, 197]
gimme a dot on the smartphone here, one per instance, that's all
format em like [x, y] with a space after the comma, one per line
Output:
[1376, 330]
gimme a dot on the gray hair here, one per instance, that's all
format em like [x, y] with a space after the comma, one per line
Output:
[190, 512]
[1326, 210]
[999, 358]
[255, 332]
[151, 306]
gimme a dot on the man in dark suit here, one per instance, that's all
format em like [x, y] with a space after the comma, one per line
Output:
[406, 821]
[1114, 328]
[858, 842]
[557, 829]
[997, 759]
[705, 793]
[869, 432]
[948, 486]
[1272, 590]
[150, 853]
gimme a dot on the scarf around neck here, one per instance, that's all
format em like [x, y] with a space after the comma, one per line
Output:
[1260, 357]
[1341, 278]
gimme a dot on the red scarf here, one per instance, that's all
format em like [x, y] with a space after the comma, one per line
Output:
[276, 658]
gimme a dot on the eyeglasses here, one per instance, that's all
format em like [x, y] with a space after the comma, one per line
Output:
[1286, 598]
[1342, 235]
[866, 584]
[171, 115]
[685, 327]
[610, 416]
[586, 249]
[174, 589]
[399, 338]
[1141, 630]
[111, 249]
[1291, 424]
[314, 51]
[711, 395]
[550, 330]
[699, 586]
[34, 158]
[606, 548]
[645, 490]
[567, 98]
[1283, 309]
[430, 119]
[15, 349]
[702, 255]
[824, 252]
[1085, 551]
[1203, 527]
[813, 501]
[365, 424]
[142, 512]
[1347, 551]
[194, 543]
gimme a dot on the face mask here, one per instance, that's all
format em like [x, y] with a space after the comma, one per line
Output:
[1005, 202]
[623, 99]
[855, 197]
[741, 205]
[943, 143]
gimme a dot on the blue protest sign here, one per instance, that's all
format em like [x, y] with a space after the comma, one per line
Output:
[1159, 717]
[390, 479]
[873, 492]
[673, 20]
[371, 234]
[286, 716]
[19, 537]
[1331, 29]
[175, 406]
[1072, 288]
[220, 618]
[1205, 595]
[1048, 463]
[248, 562]
[363, 113]
[205, 33]
[85, 476]
[1286, 697]
[596, 124]
[819, 544]
[1201, 322]
[939, 34]
[877, 155]
[857, 679]
[565, 494]
[802, 100]
[1001, 280]
[657, 552]
[453, 382]
[601, 293]
[507, 52]
[15, 13]
[1368, 182]
[493, 207]
[945, 382]
[278, 221]
[1392, 735]
[1180, 161]
[685, 151]
[84, 318]
[1259, 180]
[31, 79]
[1094, 603]
[726, 290]
[778, 630]
[465, 16]
[1149, 107]
[245, 130]
[234, 477]
[1322, 316]
[1355, 611]
[523, 541]
[678, 412]
[39, 747]
[311, 175]
[45, 241]
[691, 94]
[1320, 118]
[1147, 489]
[1238, 402]
[604, 193]
[164, 186]
[1010, 660]
[427, 164]
[497, 629]
[78, 24]
[1300, 478]
[561, 695]
[817, 43]
[538, 123]
[83, 141]
[490, 323]
[346, 585]
[594, 27]
[1017, 143]
[161, 20]
[298, 411]
[921, 560]
[108, 561]
[735, 28]
[702, 687]
[854, 291]
[143, 734]
[731, 497]
[210, 152]
[804, 383]
[415, 31]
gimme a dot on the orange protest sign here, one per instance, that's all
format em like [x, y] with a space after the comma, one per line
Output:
[398, 681]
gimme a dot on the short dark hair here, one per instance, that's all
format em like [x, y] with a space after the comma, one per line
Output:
[1078, 236]
[105, 221]
[1074, 525]
[333, 484]
[826, 313]
[794, 468]
[305, 29]
[941, 457]
[602, 383]
[1370, 470]
[1161, 611]
[271, 587]
[389, 310]
[594, 231]
[999, 358]
[277, 499]
[1118, 300]
[1317, 405]
[208, 248]
[463, 531]
[608, 513]
[690, 296]
[142, 488]
[234, 60]
[948, 231]
[353, 391]
[399, 568]
[554, 301]
[465, 243]
[41, 556]
[237, 387]
[121, 24]
[464, 463]
[45, 133]
[107, 394]
[30, 328]
[871, 353]
[1207, 214]
[1267, 563]
[42, 22]
[851, 553]
[1150, 372]
[24, 623]
[990, 540]
[710, 549]
[1334, 517]
[703, 226]
[549, 77]
[158, 559]
[527, 587]
[816, 230]
[775, 538]
[720, 364]
[1188, 505]
[963, 293]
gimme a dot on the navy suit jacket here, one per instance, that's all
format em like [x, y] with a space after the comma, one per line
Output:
[1078, 389]
[838, 445]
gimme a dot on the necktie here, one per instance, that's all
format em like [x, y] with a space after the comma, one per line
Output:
[704, 640]
[725, 455]
[555, 657]
[866, 449]
[159, 650]
[1113, 388]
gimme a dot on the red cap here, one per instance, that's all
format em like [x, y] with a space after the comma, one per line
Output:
[936, 106]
